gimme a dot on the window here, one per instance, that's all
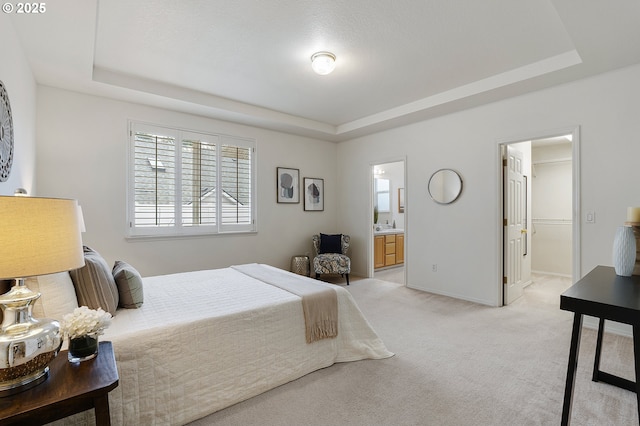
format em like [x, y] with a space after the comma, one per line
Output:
[382, 195]
[189, 183]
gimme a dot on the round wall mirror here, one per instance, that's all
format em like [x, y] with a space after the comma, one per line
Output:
[445, 185]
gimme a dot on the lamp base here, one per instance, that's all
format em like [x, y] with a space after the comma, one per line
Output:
[27, 345]
[23, 383]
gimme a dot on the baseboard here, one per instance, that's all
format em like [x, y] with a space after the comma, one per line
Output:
[555, 274]
[609, 326]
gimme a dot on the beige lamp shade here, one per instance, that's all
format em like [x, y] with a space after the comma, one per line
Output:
[38, 236]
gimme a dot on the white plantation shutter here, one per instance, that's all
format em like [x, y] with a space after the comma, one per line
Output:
[184, 183]
[198, 181]
[154, 184]
[236, 181]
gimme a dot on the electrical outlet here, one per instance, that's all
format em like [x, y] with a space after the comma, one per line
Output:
[434, 267]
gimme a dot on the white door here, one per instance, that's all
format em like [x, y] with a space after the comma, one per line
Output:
[514, 226]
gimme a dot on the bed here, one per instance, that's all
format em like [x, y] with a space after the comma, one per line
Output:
[205, 340]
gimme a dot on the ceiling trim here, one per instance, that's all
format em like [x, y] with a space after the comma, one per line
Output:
[546, 66]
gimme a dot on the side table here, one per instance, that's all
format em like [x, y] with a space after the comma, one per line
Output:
[70, 388]
[607, 296]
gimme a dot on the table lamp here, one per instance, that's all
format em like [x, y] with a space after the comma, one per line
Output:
[38, 236]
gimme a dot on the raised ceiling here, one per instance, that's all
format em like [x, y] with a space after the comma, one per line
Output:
[248, 61]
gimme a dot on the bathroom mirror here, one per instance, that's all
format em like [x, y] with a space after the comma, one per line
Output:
[383, 199]
[445, 185]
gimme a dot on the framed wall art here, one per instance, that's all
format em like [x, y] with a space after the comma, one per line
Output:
[313, 194]
[288, 185]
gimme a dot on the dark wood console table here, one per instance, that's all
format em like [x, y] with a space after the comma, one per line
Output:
[607, 296]
[70, 388]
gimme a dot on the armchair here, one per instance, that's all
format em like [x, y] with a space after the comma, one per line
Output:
[331, 255]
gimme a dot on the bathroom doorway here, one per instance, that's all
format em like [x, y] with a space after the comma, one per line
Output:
[387, 258]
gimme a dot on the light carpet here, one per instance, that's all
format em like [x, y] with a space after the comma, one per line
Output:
[456, 363]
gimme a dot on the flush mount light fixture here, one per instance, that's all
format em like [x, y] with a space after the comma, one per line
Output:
[323, 62]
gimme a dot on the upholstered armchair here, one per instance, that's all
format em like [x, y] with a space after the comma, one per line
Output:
[331, 255]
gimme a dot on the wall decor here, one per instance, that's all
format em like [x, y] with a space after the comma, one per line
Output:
[400, 200]
[6, 135]
[288, 185]
[313, 194]
[445, 186]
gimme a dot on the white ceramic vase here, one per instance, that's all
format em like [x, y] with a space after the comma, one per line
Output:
[624, 251]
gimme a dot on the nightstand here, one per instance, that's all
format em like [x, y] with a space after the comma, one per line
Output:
[70, 388]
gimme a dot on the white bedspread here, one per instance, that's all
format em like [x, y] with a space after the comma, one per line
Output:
[205, 340]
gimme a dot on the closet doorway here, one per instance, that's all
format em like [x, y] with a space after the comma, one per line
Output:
[387, 254]
[540, 205]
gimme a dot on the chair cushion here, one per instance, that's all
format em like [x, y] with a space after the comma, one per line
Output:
[332, 263]
[330, 243]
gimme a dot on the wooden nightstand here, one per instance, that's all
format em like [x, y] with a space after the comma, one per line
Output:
[70, 388]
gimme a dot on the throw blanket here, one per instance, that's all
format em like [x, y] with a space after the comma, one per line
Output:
[319, 302]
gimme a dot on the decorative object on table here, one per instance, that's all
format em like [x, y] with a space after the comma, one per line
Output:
[82, 327]
[300, 265]
[38, 236]
[313, 194]
[624, 251]
[288, 185]
[6, 135]
[633, 220]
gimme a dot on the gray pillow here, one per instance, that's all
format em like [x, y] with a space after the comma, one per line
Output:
[94, 283]
[129, 283]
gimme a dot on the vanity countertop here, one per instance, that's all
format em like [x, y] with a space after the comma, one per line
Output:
[385, 231]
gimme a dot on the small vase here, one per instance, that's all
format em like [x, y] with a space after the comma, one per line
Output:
[624, 251]
[83, 348]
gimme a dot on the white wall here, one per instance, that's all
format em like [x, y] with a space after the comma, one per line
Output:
[82, 153]
[462, 238]
[16, 75]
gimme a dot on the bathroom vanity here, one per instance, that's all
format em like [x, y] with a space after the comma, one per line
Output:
[388, 248]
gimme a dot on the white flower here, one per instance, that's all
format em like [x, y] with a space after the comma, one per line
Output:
[84, 321]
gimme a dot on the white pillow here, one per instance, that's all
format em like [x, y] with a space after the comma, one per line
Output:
[58, 296]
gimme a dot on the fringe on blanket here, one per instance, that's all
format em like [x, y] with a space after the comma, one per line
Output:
[321, 330]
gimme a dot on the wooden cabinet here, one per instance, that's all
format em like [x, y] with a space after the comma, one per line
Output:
[388, 250]
[399, 248]
[378, 250]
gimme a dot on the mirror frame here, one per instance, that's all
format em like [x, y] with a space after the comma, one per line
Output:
[440, 200]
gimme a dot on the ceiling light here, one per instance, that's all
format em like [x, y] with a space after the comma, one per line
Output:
[323, 62]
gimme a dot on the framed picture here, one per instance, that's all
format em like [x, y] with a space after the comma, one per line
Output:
[400, 200]
[313, 194]
[288, 184]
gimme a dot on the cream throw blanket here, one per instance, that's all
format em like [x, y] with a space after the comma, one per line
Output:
[319, 302]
